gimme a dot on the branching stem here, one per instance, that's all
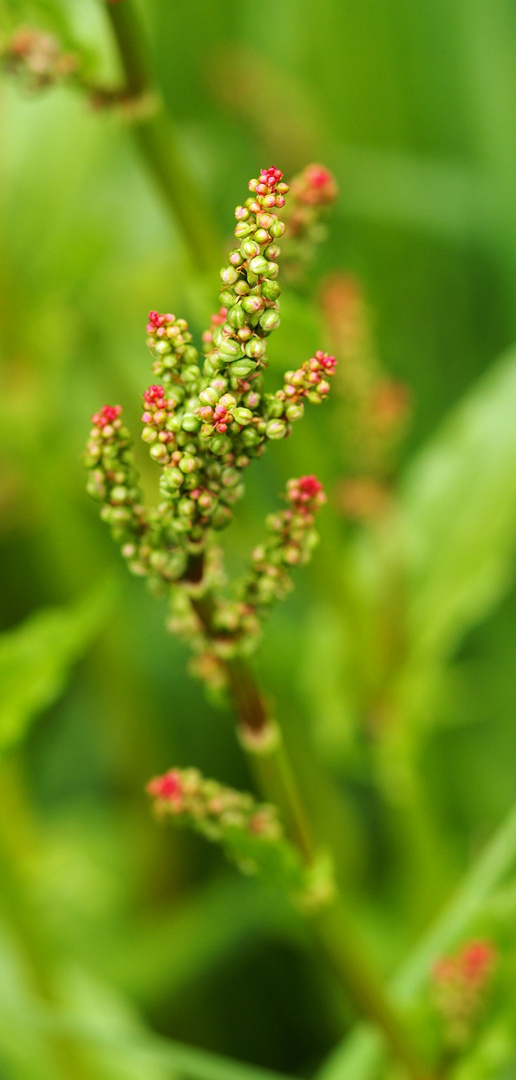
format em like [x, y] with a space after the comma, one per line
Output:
[262, 741]
[156, 138]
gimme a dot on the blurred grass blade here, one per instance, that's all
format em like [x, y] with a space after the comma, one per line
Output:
[36, 658]
[358, 1057]
[460, 501]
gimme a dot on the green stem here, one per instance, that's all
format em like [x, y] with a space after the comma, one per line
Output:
[262, 741]
[157, 140]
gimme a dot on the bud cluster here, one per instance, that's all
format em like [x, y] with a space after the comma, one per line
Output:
[312, 191]
[375, 408]
[203, 422]
[37, 58]
[460, 983]
[250, 832]
[292, 538]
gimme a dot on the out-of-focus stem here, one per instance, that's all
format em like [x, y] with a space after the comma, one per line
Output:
[263, 744]
[156, 138]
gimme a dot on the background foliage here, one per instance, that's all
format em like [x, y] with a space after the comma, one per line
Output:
[413, 107]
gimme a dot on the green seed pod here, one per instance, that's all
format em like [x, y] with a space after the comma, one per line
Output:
[227, 296]
[269, 321]
[207, 502]
[229, 275]
[190, 422]
[218, 336]
[162, 347]
[242, 368]
[243, 416]
[255, 348]
[276, 429]
[235, 257]
[272, 252]
[236, 317]
[259, 265]
[249, 249]
[187, 464]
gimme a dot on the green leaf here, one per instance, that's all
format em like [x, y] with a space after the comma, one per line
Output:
[459, 497]
[36, 658]
[358, 1056]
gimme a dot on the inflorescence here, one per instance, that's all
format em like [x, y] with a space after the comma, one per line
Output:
[204, 420]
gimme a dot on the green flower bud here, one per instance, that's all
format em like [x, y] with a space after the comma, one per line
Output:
[227, 296]
[186, 507]
[272, 270]
[159, 453]
[118, 494]
[271, 290]
[221, 517]
[294, 412]
[236, 317]
[241, 289]
[206, 502]
[255, 348]
[96, 488]
[230, 350]
[231, 477]
[243, 416]
[259, 265]
[276, 229]
[252, 304]
[171, 479]
[187, 464]
[149, 435]
[250, 437]
[272, 252]
[220, 444]
[250, 249]
[209, 396]
[262, 236]
[269, 321]
[190, 355]
[190, 422]
[229, 275]
[275, 408]
[276, 429]
[242, 368]
[242, 230]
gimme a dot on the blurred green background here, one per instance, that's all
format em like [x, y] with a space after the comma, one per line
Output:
[413, 107]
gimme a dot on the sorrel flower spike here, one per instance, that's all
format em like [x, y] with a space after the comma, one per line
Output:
[204, 420]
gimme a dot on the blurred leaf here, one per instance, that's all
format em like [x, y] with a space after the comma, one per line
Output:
[459, 498]
[359, 1055]
[36, 658]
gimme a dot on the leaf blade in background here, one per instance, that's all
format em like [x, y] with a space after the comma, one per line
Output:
[459, 498]
[36, 659]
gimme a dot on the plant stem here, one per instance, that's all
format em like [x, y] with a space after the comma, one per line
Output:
[156, 138]
[263, 744]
